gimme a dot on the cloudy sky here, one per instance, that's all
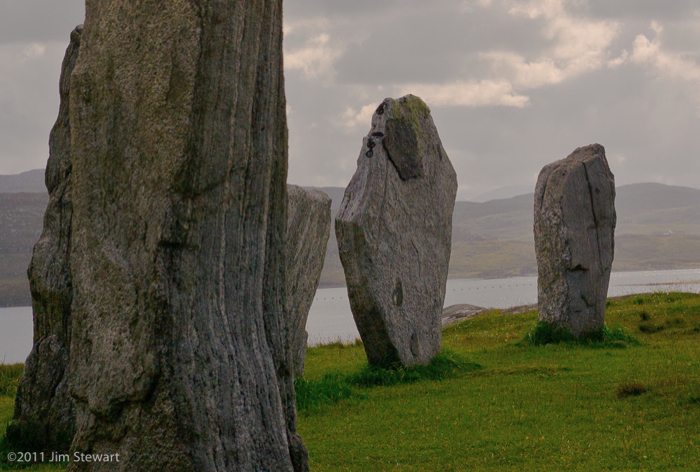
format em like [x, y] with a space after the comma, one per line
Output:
[512, 84]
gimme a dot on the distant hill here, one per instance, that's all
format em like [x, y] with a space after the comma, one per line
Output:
[21, 220]
[656, 208]
[646, 208]
[31, 181]
[658, 227]
[503, 192]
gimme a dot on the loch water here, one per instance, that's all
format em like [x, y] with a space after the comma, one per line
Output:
[330, 318]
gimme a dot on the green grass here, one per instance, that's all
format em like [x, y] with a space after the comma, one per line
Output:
[335, 386]
[606, 337]
[494, 401]
[9, 378]
[628, 402]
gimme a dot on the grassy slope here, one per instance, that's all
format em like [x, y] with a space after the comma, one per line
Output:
[9, 377]
[644, 252]
[492, 258]
[529, 408]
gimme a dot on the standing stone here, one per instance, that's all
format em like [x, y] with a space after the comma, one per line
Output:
[394, 232]
[179, 357]
[308, 228]
[44, 415]
[574, 231]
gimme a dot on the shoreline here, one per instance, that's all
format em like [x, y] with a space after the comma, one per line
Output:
[534, 274]
[454, 314]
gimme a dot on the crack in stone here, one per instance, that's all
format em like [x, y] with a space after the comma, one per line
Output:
[595, 219]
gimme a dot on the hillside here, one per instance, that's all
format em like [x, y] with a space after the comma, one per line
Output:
[658, 227]
[23, 199]
[21, 218]
[31, 181]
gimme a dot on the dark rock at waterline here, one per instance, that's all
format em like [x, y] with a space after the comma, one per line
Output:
[44, 415]
[394, 231]
[308, 228]
[454, 314]
[179, 358]
[574, 239]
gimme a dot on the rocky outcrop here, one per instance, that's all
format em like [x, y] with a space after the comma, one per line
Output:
[179, 357]
[308, 228]
[394, 231]
[574, 239]
[44, 415]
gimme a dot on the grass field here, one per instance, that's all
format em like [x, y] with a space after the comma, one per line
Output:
[494, 401]
[609, 406]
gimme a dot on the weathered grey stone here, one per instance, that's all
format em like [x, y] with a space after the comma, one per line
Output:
[574, 239]
[308, 228]
[394, 231]
[179, 358]
[44, 413]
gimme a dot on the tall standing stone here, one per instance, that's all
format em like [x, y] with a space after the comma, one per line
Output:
[44, 415]
[574, 239]
[179, 357]
[308, 228]
[394, 232]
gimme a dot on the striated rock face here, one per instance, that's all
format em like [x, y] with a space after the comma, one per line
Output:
[574, 239]
[179, 357]
[394, 232]
[308, 228]
[44, 412]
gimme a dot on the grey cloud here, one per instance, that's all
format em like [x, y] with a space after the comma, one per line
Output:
[39, 20]
[29, 85]
[646, 123]
[29, 105]
[356, 9]
[637, 116]
[632, 110]
[641, 9]
[321, 152]
[678, 35]
[682, 36]
[437, 45]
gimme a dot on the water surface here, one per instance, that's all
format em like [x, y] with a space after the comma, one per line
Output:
[330, 318]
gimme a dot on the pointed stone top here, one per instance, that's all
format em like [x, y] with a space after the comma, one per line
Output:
[400, 122]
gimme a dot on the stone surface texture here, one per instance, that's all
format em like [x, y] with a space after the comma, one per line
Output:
[308, 229]
[179, 358]
[44, 412]
[394, 231]
[574, 239]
